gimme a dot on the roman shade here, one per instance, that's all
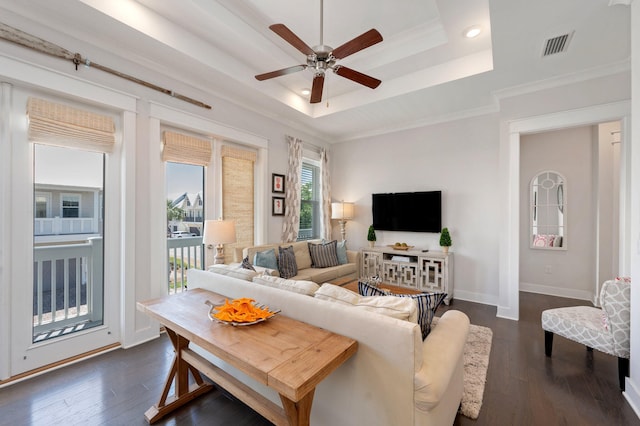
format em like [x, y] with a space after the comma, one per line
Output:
[238, 195]
[61, 125]
[181, 148]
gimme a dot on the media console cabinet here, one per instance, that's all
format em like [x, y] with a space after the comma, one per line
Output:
[424, 271]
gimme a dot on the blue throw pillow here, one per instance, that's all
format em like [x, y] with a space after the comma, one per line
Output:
[341, 251]
[266, 259]
[427, 303]
[287, 262]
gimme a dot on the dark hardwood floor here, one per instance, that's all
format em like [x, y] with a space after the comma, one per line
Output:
[574, 387]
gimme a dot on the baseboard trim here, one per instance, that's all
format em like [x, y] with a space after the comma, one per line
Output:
[59, 364]
[632, 395]
[569, 293]
[469, 296]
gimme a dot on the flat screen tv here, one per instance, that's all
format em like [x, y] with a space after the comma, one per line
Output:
[408, 211]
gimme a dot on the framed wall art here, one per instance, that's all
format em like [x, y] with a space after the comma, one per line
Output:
[277, 183]
[277, 206]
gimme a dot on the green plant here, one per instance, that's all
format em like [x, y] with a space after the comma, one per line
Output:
[445, 238]
[371, 236]
[174, 212]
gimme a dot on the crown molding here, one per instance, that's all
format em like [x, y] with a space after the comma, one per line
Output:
[563, 80]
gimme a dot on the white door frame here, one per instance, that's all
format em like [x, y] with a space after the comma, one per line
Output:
[16, 211]
[509, 269]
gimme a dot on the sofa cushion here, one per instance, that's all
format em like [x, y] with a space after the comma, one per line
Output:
[303, 258]
[427, 303]
[395, 307]
[287, 262]
[266, 259]
[296, 286]
[233, 271]
[323, 255]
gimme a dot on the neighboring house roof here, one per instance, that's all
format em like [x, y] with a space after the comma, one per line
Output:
[187, 200]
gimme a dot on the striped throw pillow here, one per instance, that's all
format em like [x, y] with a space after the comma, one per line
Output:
[427, 303]
[246, 264]
[287, 262]
[324, 255]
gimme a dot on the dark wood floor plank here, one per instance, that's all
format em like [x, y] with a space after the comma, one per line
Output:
[524, 387]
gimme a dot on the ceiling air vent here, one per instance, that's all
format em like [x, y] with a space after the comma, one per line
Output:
[557, 44]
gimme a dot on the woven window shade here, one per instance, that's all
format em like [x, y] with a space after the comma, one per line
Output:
[237, 200]
[240, 154]
[186, 149]
[61, 125]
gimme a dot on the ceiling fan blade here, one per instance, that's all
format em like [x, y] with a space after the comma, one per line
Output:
[316, 90]
[278, 73]
[291, 38]
[363, 41]
[358, 77]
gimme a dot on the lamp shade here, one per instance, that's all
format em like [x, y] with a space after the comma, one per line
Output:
[342, 210]
[219, 232]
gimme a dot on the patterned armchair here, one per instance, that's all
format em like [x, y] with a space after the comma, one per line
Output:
[605, 329]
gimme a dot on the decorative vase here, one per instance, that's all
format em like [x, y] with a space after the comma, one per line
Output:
[445, 249]
[372, 243]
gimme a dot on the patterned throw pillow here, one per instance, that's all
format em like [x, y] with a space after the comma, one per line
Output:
[323, 255]
[266, 259]
[246, 264]
[287, 262]
[427, 303]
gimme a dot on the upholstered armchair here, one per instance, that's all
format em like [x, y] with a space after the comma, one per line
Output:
[605, 329]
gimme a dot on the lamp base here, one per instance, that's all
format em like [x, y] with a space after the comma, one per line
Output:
[343, 229]
[219, 258]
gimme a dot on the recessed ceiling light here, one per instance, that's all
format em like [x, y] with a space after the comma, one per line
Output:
[305, 92]
[472, 32]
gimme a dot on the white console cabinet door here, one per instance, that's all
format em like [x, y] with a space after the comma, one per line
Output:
[436, 274]
[371, 263]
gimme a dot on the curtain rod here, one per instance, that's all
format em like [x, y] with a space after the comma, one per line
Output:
[39, 45]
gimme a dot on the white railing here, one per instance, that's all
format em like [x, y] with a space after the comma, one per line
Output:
[68, 285]
[182, 254]
[66, 225]
[305, 234]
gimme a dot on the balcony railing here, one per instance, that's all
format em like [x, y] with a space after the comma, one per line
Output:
[183, 253]
[65, 225]
[68, 287]
[305, 234]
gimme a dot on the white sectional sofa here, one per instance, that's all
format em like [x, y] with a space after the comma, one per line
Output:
[395, 378]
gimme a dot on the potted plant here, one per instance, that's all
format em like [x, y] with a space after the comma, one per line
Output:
[371, 236]
[445, 240]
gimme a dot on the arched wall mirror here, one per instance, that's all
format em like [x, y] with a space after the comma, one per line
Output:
[548, 211]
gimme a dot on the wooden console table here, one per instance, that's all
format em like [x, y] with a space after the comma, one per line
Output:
[289, 356]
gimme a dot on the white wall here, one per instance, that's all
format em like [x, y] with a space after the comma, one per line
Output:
[461, 159]
[569, 272]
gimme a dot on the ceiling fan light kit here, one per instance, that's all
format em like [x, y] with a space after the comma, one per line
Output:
[321, 58]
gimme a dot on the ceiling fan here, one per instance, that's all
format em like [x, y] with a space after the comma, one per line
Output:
[322, 58]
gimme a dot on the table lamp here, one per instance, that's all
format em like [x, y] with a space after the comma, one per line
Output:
[219, 232]
[343, 212]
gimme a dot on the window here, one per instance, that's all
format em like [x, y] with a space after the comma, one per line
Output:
[309, 201]
[70, 205]
[42, 205]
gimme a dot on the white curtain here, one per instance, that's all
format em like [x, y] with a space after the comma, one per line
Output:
[326, 195]
[291, 224]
